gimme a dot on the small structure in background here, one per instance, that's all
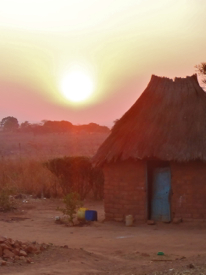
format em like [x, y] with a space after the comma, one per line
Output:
[154, 159]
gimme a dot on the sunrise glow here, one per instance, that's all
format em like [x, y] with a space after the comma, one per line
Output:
[115, 45]
[77, 85]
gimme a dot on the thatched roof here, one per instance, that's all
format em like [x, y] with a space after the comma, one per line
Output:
[167, 122]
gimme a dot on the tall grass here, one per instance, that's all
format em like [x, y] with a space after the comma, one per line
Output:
[29, 177]
[47, 146]
[22, 158]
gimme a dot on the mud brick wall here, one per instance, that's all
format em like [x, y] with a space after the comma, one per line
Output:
[124, 190]
[188, 199]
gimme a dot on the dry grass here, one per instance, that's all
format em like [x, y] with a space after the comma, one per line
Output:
[27, 176]
[46, 146]
[23, 155]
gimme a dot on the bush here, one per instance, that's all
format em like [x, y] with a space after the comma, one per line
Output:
[6, 203]
[55, 178]
[28, 176]
[97, 179]
[72, 203]
[76, 174]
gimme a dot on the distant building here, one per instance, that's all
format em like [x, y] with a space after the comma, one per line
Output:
[154, 160]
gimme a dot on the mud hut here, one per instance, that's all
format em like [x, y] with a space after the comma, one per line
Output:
[154, 160]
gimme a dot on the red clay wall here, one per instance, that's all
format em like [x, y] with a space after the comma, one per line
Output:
[189, 190]
[125, 190]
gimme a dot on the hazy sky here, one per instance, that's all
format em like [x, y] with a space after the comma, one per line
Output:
[119, 43]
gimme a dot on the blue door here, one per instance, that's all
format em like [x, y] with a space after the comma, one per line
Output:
[161, 187]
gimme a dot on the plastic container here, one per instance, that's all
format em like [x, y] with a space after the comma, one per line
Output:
[91, 215]
[81, 213]
[129, 220]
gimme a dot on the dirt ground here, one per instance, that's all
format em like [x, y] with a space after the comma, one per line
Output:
[102, 247]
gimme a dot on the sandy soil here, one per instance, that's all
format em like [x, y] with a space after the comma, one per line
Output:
[103, 247]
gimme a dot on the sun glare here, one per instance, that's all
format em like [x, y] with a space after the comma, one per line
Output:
[77, 85]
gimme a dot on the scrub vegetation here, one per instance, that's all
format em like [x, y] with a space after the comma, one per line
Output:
[49, 165]
[72, 202]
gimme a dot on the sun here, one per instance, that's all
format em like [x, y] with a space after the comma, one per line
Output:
[77, 85]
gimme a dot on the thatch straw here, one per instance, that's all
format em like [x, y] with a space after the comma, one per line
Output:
[167, 122]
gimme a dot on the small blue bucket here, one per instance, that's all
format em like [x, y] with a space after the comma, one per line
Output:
[91, 215]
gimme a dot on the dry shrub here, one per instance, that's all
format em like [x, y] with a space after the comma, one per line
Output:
[76, 174]
[55, 178]
[28, 176]
[72, 203]
[97, 178]
[6, 203]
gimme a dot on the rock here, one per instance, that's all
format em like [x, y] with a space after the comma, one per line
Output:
[4, 246]
[10, 241]
[3, 262]
[16, 257]
[43, 247]
[12, 251]
[10, 260]
[9, 246]
[177, 220]
[16, 244]
[191, 266]
[37, 251]
[151, 222]
[22, 253]
[7, 253]
[29, 260]
[2, 239]
[31, 249]
[16, 251]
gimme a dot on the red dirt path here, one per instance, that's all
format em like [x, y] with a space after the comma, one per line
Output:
[103, 247]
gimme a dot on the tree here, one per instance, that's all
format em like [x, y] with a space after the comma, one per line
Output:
[9, 123]
[25, 126]
[201, 70]
[57, 126]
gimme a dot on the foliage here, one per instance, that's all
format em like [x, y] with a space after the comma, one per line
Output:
[28, 176]
[48, 126]
[25, 125]
[9, 123]
[97, 179]
[6, 203]
[77, 175]
[201, 69]
[73, 173]
[72, 203]
[91, 128]
[57, 126]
